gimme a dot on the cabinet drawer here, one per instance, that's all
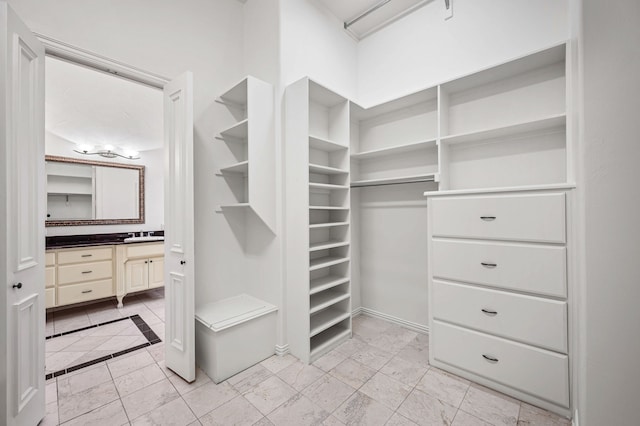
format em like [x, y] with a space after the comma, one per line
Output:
[532, 320]
[84, 255]
[84, 292]
[535, 371]
[522, 267]
[50, 297]
[50, 276]
[49, 258]
[84, 272]
[534, 217]
[145, 250]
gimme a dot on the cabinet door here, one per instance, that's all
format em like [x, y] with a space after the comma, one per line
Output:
[137, 275]
[156, 272]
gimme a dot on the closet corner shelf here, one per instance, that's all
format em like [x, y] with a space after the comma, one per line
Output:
[327, 224]
[551, 122]
[324, 283]
[327, 208]
[326, 170]
[328, 339]
[325, 299]
[234, 206]
[326, 245]
[429, 177]
[325, 319]
[237, 95]
[327, 186]
[544, 187]
[323, 144]
[325, 262]
[241, 167]
[239, 130]
[392, 150]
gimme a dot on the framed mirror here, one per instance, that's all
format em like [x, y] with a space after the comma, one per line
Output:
[85, 192]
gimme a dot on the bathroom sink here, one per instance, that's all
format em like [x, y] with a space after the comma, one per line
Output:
[143, 239]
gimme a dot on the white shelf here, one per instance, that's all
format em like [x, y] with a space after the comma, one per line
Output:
[429, 177]
[325, 245]
[325, 299]
[324, 283]
[327, 225]
[327, 208]
[237, 95]
[547, 123]
[329, 338]
[393, 150]
[324, 144]
[548, 187]
[234, 206]
[326, 170]
[239, 130]
[87, 194]
[241, 167]
[325, 319]
[326, 186]
[325, 262]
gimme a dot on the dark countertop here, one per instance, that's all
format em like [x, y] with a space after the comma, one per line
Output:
[72, 241]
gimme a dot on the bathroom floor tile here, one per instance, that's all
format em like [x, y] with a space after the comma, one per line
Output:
[298, 410]
[490, 406]
[208, 397]
[238, 412]
[174, 413]
[360, 409]
[300, 375]
[328, 392]
[149, 398]
[269, 394]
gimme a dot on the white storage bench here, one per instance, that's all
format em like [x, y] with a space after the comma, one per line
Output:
[233, 334]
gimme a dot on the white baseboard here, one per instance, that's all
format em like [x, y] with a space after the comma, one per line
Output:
[282, 350]
[390, 318]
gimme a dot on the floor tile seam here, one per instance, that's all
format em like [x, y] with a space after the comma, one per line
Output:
[414, 387]
[479, 418]
[118, 392]
[94, 408]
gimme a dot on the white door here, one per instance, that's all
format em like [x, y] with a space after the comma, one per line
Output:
[22, 216]
[178, 213]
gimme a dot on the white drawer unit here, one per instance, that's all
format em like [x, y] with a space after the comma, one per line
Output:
[89, 271]
[498, 309]
[528, 319]
[520, 267]
[532, 217]
[540, 373]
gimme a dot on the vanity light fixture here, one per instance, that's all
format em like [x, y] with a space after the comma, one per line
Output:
[107, 151]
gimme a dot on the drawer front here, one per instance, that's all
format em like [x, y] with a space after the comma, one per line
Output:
[145, 250]
[49, 258]
[50, 297]
[85, 272]
[535, 371]
[50, 276]
[84, 255]
[84, 292]
[532, 320]
[522, 267]
[535, 217]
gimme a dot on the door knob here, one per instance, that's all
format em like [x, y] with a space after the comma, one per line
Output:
[182, 262]
[18, 286]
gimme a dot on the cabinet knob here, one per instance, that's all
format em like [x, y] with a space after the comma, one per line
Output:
[18, 286]
[490, 358]
[182, 262]
[151, 261]
[488, 218]
[146, 261]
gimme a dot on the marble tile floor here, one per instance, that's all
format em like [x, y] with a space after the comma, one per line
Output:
[380, 377]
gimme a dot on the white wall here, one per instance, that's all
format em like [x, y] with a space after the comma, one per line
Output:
[422, 49]
[154, 193]
[610, 381]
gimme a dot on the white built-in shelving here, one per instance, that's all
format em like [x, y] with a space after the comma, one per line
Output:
[318, 215]
[250, 173]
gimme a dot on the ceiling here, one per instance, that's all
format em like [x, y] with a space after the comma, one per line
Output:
[85, 106]
[348, 10]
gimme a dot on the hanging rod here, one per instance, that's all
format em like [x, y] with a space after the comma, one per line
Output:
[363, 185]
[365, 13]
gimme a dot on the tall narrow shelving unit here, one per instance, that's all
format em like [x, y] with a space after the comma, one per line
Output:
[318, 219]
[250, 139]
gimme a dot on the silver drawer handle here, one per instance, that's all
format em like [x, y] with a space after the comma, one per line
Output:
[490, 358]
[488, 218]
[488, 312]
[86, 255]
[489, 265]
[87, 272]
[86, 291]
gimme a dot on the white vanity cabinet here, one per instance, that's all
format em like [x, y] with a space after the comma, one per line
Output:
[140, 267]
